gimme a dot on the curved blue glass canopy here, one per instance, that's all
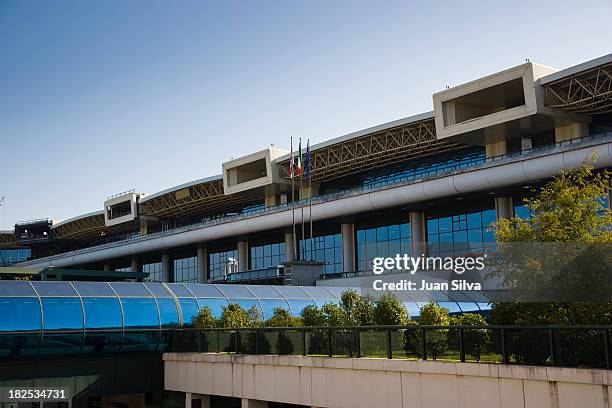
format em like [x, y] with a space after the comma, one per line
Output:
[98, 317]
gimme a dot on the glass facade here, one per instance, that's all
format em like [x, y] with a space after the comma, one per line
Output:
[462, 233]
[327, 248]
[154, 270]
[12, 256]
[381, 241]
[186, 269]
[217, 262]
[269, 255]
[100, 317]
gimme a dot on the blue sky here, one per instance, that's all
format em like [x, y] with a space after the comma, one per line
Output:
[97, 97]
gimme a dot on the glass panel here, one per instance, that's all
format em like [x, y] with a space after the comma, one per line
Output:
[264, 292]
[168, 313]
[179, 290]
[158, 290]
[318, 292]
[190, 309]
[125, 289]
[54, 289]
[451, 306]
[293, 292]
[93, 289]
[140, 313]
[236, 291]
[246, 304]
[297, 305]
[215, 305]
[269, 305]
[102, 313]
[16, 288]
[204, 290]
[62, 313]
[19, 313]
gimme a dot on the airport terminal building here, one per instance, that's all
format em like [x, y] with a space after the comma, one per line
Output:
[432, 182]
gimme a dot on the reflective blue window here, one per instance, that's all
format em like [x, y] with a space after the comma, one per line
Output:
[265, 256]
[140, 312]
[186, 269]
[297, 305]
[462, 233]
[102, 313]
[215, 304]
[205, 290]
[217, 262]
[19, 313]
[158, 290]
[246, 304]
[130, 289]
[154, 270]
[269, 305]
[190, 309]
[167, 312]
[93, 289]
[54, 288]
[327, 248]
[381, 241]
[179, 290]
[16, 288]
[13, 256]
[62, 313]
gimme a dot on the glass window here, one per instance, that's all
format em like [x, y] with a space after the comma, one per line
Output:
[186, 270]
[93, 289]
[62, 313]
[236, 291]
[16, 288]
[205, 290]
[297, 305]
[381, 241]
[102, 313]
[135, 289]
[215, 304]
[154, 270]
[158, 290]
[167, 312]
[179, 290]
[327, 249]
[217, 262]
[461, 234]
[140, 313]
[19, 313]
[269, 305]
[189, 309]
[54, 289]
[268, 255]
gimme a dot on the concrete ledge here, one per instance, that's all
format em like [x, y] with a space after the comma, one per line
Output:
[515, 372]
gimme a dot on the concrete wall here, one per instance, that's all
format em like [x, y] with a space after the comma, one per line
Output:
[350, 382]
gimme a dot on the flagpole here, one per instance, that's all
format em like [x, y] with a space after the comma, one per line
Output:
[310, 198]
[303, 256]
[293, 201]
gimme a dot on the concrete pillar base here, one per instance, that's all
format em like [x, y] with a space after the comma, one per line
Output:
[289, 247]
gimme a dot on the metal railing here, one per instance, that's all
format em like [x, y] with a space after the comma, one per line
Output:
[215, 220]
[564, 346]
[584, 346]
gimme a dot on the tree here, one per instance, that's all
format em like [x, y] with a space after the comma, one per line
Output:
[436, 340]
[475, 341]
[283, 318]
[358, 310]
[389, 310]
[205, 319]
[235, 317]
[313, 316]
[333, 315]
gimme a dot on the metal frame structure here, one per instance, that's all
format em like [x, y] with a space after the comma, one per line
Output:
[87, 227]
[206, 196]
[377, 149]
[587, 92]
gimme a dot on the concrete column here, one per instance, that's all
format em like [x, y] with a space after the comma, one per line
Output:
[250, 403]
[135, 265]
[166, 261]
[272, 195]
[202, 256]
[496, 148]
[308, 191]
[570, 130]
[418, 233]
[289, 246]
[348, 247]
[107, 268]
[243, 255]
[144, 227]
[495, 141]
[504, 207]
